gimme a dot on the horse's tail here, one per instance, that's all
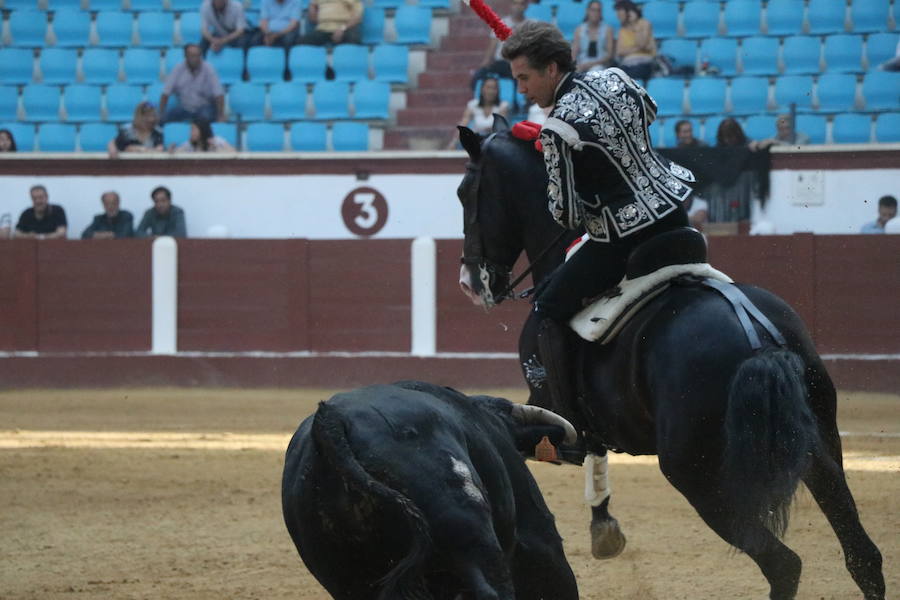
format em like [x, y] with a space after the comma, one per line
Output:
[770, 434]
[405, 580]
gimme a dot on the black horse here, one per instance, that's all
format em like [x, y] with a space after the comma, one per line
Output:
[735, 429]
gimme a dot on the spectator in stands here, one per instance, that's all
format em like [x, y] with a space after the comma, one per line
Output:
[698, 211]
[112, 222]
[336, 22]
[684, 134]
[732, 202]
[142, 135]
[196, 85]
[479, 112]
[164, 218]
[786, 134]
[202, 139]
[887, 210]
[635, 46]
[7, 141]
[43, 220]
[493, 64]
[222, 23]
[592, 45]
[279, 23]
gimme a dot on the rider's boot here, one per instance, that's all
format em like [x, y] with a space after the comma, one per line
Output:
[560, 377]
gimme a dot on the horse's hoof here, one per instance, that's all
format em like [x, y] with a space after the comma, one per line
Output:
[607, 540]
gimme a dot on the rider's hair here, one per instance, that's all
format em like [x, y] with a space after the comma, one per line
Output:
[541, 43]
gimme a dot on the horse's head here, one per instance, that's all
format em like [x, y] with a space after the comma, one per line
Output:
[500, 171]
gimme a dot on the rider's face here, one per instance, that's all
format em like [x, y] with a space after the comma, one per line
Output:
[538, 85]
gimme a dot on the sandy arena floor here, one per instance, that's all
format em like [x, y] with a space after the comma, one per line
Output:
[174, 494]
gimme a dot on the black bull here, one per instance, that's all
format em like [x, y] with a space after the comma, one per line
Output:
[414, 491]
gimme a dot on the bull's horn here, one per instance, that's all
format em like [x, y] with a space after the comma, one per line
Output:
[528, 414]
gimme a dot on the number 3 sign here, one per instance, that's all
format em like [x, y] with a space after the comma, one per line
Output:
[365, 211]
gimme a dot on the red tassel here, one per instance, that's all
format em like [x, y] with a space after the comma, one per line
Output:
[490, 17]
[528, 130]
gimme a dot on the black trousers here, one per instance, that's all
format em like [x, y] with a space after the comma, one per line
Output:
[595, 268]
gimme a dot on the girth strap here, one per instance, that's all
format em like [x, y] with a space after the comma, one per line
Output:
[745, 309]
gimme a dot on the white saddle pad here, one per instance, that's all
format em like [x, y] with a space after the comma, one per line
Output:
[603, 319]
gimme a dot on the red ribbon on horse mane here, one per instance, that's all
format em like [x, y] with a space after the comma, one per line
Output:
[490, 17]
[528, 131]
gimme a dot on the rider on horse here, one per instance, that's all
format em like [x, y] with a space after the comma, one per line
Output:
[603, 178]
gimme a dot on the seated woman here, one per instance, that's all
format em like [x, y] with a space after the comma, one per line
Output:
[479, 112]
[592, 45]
[202, 139]
[7, 141]
[142, 135]
[635, 46]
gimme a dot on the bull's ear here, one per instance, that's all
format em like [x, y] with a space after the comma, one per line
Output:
[500, 123]
[470, 141]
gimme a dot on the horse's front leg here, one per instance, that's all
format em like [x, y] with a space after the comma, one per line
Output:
[607, 539]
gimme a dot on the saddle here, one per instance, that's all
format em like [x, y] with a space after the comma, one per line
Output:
[650, 270]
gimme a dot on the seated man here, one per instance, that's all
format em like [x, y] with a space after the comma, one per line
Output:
[43, 220]
[112, 222]
[337, 22]
[196, 85]
[164, 218]
[222, 23]
[279, 23]
[684, 133]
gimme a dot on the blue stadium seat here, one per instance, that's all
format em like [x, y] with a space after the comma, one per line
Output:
[721, 53]
[229, 64]
[72, 27]
[141, 65]
[154, 92]
[9, 103]
[183, 5]
[100, 66]
[265, 64]
[700, 19]
[59, 65]
[870, 16]
[668, 94]
[851, 128]
[82, 102]
[802, 55]
[391, 63]
[683, 53]
[759, 127]
[569, 15]
[121, 100]
[814, 126]
[663, 15]
[794, 89]
[656, 133]
[443, 4]
[349, 137]
[156, 29]
[56, 137]
[226, 131]
[98, 5]
[28, 28]
[706, 95]
[307, 63]
[174, 57]
[784, 17]
[264, 137]
[371, 99]
[41, 102]
[710, 129]
[288, 101]
[539, 12]
[16, 5]
[330, 99]
[880, 47]
[373, 25]
[843, 53]
[16, 65]
[23, 134]
[114, 29]
[887, 128]
[759, 56]
[350, 62]
[742, 17]
[247, 101]
[307, 136]
[55, 5]
[146, 5]
[176, 133]
[836, 92]
[826, 17]
[881, 90]
[413, 24]
[749, 95]
[94, 137]
[387, 3]
[189, 27]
